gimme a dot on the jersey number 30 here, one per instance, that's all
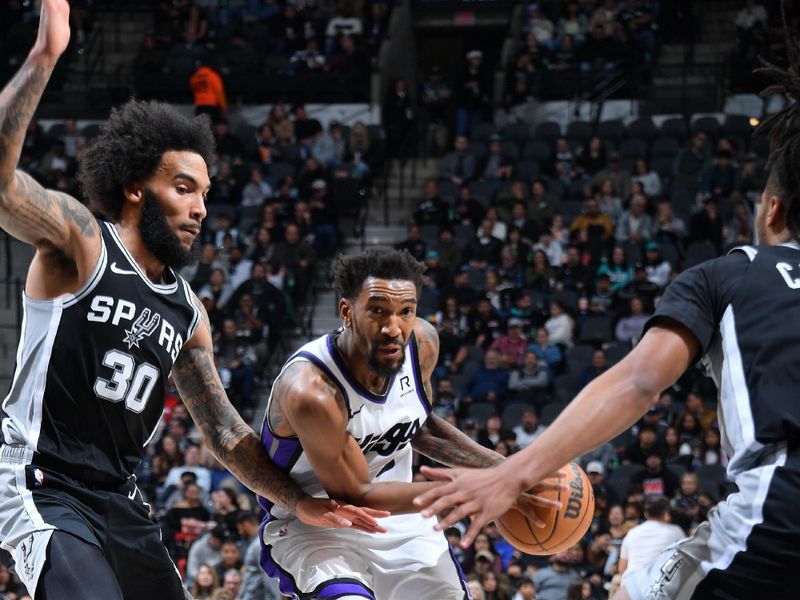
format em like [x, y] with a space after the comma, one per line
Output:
[129, 382]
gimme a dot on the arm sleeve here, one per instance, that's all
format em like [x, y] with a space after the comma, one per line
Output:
[697, 297]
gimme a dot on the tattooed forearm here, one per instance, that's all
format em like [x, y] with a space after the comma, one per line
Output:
[440, 441]
[28, 211]
[227, 436]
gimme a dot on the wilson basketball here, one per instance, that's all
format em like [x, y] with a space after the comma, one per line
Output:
[563, 527]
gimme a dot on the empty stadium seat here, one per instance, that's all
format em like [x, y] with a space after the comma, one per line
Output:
[643, 128]
[708, 125]
[674, 128]
[547, 132]
[633, 148]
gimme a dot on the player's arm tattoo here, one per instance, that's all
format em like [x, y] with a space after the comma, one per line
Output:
[440, 441]
[226, 435]
[28, 211]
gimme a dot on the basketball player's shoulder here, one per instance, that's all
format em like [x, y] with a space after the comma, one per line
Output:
[303, 387]
[427, 340]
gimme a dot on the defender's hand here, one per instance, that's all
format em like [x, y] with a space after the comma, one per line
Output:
[324, 512]
[53, 36]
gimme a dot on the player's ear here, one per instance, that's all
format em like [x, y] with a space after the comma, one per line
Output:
[133, 192]
[776, 213]
[346, 312]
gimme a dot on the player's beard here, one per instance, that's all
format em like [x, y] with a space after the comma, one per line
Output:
[382, 369]
[159, 238]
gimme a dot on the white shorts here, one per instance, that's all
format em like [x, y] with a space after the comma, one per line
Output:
[748, 548]
[410, 562]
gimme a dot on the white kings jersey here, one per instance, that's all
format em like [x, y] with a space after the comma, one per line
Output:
[383, 425]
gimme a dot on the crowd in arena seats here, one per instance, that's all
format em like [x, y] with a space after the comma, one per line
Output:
[547, 251]
[759, 33]
[567, 48]
[307, 51]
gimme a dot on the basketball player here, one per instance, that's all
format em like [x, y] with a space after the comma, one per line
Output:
[343, 417]
[106, 320]
[740, 314]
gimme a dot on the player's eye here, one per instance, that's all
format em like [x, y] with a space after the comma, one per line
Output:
[376, 311]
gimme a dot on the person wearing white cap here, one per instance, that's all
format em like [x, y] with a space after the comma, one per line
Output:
[473, 93]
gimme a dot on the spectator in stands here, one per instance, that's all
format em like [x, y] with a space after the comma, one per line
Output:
[591, 158]
[573, 23]
[695, 404]
[634, 225]
[231, 584]
[227, 143]
[620, 178]
[529, 428]
[305, 127]
[686, 500]
[413, 242]
[747, 18]
[236, 358]
[645, 542]
[552, 581]
[693, 160]
[230, 558]
[539, 25]
[168, 455]
[205, 551]
[473, 94]
[376, 26]
[646, 442]
[56, 163]
[599, 52]
[554, 250]
[650, 180]
[541, 204]
[619, 272]
[208, 90]
[629, 328]
[511, 346]
[605, 16]
[539, 275]
[706, 225]
[459, 166]
[489, 383]
[431, 209]
[593, 229]
[598, 367]
[491, 433]
[547, 352]
[752, 179]
[449, 251]
[256, 584]
[225, 510]
[637, 18]
[560, 325]
[281, 124]
[192, 462]
[308, 60]
[205, 584]
[399, 119]
[475, 589]
[658, 268]
[483, 250]
[572, 275]
[654, 478]
[603, 299]
[563, 164]
[436, 98]
[329, 147]
[667, 227]
[497, 167]
[719, 179]
[525, 589]
[608, 200]
[739, 230]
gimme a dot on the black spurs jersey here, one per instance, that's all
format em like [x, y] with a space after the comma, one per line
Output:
[89, 385]
[744, 309]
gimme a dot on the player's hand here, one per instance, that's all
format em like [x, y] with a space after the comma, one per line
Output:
[324, 512]
[53, 35]
[480, 494]
[527, 501]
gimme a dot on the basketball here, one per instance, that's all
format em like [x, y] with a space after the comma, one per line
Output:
[563, 526]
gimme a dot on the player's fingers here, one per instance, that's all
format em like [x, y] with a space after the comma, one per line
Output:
[337, 521]
[547, 485]
[430, 496]
[369, 527]
[542, 501]
[455, 515]
[447, 496]
[375, 513]
[439, 474]
[472, 532]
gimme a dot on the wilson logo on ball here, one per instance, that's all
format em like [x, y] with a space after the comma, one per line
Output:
[575, 500]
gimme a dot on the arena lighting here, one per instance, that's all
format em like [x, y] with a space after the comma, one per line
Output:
[754, 122]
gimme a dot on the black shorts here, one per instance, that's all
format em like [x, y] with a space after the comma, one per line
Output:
[34, 501]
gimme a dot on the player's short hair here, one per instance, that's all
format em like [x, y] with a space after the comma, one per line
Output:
[382, 262]
[130, 147]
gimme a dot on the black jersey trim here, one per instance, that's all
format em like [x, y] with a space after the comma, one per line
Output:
[749, 250]
[167, 288]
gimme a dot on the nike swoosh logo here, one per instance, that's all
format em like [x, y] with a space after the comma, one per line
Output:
[132, 494]
[118, 271]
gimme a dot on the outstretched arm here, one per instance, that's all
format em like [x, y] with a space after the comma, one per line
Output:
[607, 406]
[238, 447]
[48, 219]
